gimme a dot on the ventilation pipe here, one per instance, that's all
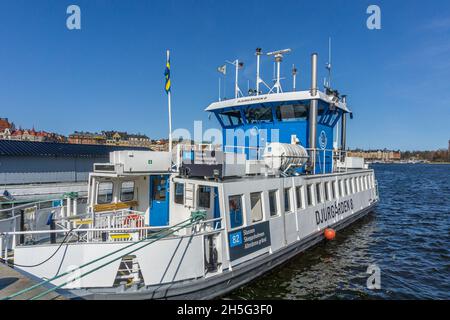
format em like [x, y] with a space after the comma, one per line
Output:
[344, 129]
[313, 113]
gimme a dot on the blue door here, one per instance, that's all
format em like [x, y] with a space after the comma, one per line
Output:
[159, 200]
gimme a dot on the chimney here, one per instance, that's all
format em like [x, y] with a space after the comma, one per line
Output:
[313, 112]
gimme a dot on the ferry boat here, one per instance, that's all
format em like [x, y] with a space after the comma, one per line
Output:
[203, 220]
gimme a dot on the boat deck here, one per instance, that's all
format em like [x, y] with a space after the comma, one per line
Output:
[12, 281]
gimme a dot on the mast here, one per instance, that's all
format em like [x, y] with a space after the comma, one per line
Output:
[169, 106]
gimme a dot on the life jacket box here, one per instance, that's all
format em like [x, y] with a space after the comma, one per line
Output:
[212, 164]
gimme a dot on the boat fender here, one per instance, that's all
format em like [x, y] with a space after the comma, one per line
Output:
[329, 234]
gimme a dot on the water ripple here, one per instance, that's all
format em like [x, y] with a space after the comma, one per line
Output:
[407, 236]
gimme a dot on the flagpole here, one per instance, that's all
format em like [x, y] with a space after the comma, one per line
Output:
[170, 110]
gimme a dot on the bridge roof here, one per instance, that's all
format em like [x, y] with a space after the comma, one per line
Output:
[272, 98]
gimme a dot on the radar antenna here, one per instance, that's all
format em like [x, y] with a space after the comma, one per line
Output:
[278, 58]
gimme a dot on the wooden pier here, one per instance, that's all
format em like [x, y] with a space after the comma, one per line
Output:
[12, 281]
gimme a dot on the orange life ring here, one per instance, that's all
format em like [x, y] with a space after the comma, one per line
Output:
[133, 217]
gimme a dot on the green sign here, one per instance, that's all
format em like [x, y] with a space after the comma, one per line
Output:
[149, 161]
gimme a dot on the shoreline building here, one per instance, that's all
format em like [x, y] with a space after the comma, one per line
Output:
[376, 155]
[110, 138]
[8, 131]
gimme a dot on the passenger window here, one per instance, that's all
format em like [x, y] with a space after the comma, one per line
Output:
[127, 191]
[256, 206]
[105, 192]
[333, 189]
[341, 188]
[287, 200]
[309, 194]
[273, 203]
[327, 191]
[318, 193]
[299, 195]
[204, 197]
[179, 193]
[352, 186]
[235, 205]
[347, 191]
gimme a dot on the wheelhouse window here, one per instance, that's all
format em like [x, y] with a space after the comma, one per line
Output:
[291, 112]
[235, 205]
[259, 114]
[204, 197]
[287, 200]
[309, 194]
[299, 196]
[179, 193]
[105, 192]
[127, 191]
[256, 206]
[231, 118]
[273, 203]
[318, 192]
[321, 109]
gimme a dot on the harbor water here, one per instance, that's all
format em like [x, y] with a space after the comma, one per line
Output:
[407, 237]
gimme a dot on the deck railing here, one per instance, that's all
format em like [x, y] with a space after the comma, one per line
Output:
[256, 153]
[110, 229]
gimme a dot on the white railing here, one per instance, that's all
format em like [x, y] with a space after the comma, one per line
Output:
[256, 153]
[108, 232]
[120, 220]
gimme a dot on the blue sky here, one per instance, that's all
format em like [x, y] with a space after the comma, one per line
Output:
[109, 74]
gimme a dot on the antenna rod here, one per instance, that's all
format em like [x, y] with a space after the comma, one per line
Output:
[219, 89]
[278, 59]
[328, 66]
[294, 77]
[236, 87]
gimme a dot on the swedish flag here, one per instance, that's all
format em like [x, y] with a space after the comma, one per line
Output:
[167, 75]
